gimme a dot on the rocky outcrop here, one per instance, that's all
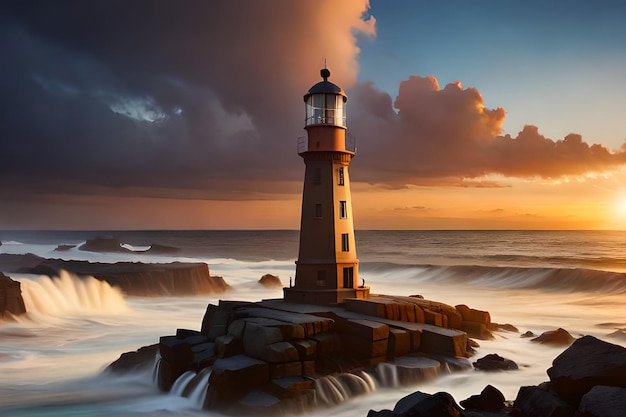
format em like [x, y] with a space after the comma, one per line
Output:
[11, 301]
[142, 279]
[283, 355]
[134, 278]
[495, 362]
[584, 379]
[270, 281]
[442, 404]
[558, 337]
[138, 360]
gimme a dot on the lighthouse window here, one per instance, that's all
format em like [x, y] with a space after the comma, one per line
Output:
[317, 176]
[345, 242]
[321, 278]
[341, 176]
[343, 210]
[318, 211]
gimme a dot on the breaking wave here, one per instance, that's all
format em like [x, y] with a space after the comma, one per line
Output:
[69, 294]
[562, 280]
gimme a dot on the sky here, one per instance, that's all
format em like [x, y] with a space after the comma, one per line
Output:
[157, 114]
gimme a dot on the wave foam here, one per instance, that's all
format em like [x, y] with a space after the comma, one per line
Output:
[73, 295]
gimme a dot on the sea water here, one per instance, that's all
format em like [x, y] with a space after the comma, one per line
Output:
[51, 360]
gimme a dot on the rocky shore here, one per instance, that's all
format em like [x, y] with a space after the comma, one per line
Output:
[133, 278]
[273, 357]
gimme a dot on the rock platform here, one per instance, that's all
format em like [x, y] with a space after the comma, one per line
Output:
[286, 357]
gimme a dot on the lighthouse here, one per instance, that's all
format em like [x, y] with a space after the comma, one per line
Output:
[327, 269]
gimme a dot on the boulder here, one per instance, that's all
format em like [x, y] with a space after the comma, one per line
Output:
[603, 401]
[234, 377]
[494, 362]
[270, 281]
[586, 363]
[11, 301]
[558, 337]
[103, 244]
[440, 404]
[141, 359]
[64, 248]
[541, 401]
[528, 334]
[473, 315]
[490, 399]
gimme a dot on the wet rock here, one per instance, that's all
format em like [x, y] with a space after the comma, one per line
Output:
[504, 327]
[586, 363]
[419, 404]
[234, 377]
[141, 279]
[558, 337]
[603, 401]
[473, 315]
[528, 334]
[490, 399]
[11, 301]
[64, 248]
[541, 401]
[103, 244]
[138, 360]
[270, 281]
[494, 362]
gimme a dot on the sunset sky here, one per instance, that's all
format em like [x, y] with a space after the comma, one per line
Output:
[150, 114]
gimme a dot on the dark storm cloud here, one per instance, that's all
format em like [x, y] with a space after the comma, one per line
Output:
[163, 95]
[441, 134]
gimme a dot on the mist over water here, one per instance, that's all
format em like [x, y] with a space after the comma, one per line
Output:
[51, 359]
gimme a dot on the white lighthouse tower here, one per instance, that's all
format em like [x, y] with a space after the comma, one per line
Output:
[327, 269]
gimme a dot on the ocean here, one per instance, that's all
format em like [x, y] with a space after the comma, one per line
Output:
[51, 360]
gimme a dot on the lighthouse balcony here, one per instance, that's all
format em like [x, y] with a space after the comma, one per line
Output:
[303, 144]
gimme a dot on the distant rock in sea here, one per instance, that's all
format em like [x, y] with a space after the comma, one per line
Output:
[133, 278]
[270, 281]
[64, 248]
[558, 337]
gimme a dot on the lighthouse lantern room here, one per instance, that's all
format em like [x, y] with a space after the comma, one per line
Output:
[327, 266]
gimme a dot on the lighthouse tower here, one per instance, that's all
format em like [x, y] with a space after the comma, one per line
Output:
[327, 269]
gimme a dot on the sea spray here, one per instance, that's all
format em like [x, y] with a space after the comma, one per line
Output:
[73, 295]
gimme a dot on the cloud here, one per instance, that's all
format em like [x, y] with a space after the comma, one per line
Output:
[172, 95]
[432, 135]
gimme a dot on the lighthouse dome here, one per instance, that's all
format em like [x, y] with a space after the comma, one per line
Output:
[326, 87]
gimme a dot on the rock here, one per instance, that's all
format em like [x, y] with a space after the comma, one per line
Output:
[440, 404]
[495, 362]
[64, 248]
[527, 334]
[270, 281]
[504, 327]
[603, 401]
[141, 279]
[619, 334]
[405, 403]
[586, 363]
[558, 337]
[141, 359]
[234, 377]
[473, 315]
[11, 301]
[103, 244]
[490, 399]
[540, 401]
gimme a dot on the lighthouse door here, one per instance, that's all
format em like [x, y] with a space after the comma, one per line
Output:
[348, 277]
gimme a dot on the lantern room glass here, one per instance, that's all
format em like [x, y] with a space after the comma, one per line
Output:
[325, 109]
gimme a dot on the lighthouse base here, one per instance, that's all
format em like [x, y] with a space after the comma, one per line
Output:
[323, 296]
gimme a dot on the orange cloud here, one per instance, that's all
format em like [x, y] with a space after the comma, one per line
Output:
[432, 134]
